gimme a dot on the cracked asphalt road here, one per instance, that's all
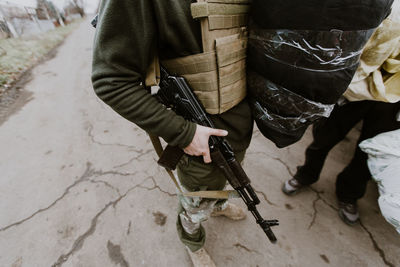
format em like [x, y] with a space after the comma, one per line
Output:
[79, 187]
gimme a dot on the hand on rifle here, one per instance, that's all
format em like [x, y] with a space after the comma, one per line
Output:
[199, 145]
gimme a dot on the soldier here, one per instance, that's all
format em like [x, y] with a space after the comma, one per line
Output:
[129, 35]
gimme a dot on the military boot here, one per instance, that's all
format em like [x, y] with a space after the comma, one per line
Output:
[201, 258]
[230, 211]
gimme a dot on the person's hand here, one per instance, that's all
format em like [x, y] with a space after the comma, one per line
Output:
[199, 145]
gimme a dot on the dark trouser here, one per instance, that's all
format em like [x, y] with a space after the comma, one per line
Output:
[378, 117]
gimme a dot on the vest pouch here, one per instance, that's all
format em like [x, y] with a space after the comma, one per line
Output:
[231, 62]
[219, 18]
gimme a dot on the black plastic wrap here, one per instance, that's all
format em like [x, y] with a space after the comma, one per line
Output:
[302, 56]
[311, 50]
[291, 110]
[280, 114]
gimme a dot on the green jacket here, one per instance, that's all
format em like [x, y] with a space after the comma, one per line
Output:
[127, 36]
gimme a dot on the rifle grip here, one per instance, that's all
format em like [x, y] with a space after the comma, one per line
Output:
[170, 157]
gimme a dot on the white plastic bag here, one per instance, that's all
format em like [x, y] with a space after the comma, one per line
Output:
[384, 164]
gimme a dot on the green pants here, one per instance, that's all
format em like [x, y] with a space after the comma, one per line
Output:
[195, 175]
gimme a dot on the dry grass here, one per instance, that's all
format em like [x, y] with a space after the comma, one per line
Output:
[19, 54]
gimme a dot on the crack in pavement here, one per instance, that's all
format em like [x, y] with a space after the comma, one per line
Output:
[280, 161]
[265, 197]
[91, 136]
[274, 158]
[238, 245]
[106, 184]
[376, 246]
[319, 197]
[84, 177]
[318, 193]
[314, 217]
[284, 164]
[156, 186]
[129, 228]
[322, 199]
[79, 242]
[102, 173]
[134, 158]
[374, 242]
[89, 172]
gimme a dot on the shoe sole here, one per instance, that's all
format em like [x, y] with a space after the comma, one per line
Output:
[347, 221]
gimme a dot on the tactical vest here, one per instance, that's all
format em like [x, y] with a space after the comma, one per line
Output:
[218, 75]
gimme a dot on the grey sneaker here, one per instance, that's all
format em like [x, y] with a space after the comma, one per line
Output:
[291, 187]
[348, 212]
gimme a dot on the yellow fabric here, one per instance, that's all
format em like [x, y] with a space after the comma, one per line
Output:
[377, 77]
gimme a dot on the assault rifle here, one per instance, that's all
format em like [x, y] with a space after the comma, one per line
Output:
[176, 94]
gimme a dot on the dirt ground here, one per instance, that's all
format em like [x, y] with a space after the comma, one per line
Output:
[79, 187]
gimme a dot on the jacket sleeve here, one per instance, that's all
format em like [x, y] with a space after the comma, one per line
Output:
[124, 44]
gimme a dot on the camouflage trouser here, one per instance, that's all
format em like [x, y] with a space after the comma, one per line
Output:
[194, 175]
